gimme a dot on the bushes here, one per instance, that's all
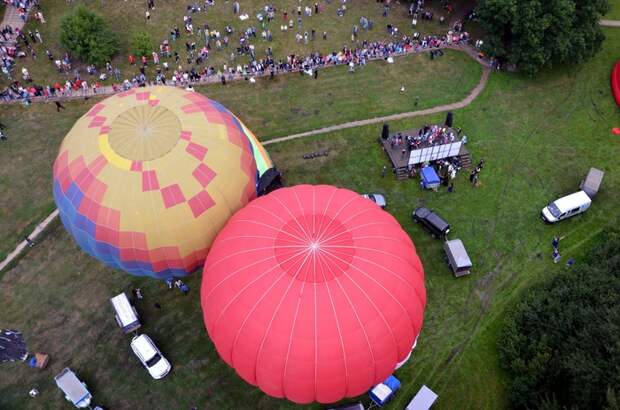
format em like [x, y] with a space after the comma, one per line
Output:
[141, 44]
[562, 343]
[87, 35]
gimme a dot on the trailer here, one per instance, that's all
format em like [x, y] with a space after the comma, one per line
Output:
[457, 256]
[75, 390]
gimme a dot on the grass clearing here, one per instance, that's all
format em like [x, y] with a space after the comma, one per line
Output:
[538, 137]
[295, 103]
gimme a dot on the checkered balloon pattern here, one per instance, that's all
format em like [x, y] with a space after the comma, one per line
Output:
[146, 179]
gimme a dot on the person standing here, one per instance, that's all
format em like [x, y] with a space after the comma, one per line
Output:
[316, 73]
[556, 242]
[383, 171]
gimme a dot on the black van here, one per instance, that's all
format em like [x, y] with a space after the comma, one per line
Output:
[431, 221]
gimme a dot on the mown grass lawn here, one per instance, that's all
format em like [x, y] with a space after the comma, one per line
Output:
[127, 18]
[614, 12]
[295, 103]
[538, 137]
[270, 108]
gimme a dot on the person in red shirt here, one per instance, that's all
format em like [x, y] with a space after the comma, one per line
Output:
[132, 59]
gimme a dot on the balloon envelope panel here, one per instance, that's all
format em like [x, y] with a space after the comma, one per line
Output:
[146, 179]
[313, 293]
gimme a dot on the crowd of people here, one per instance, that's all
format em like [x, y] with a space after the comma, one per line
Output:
[169, 70]
[427, 136]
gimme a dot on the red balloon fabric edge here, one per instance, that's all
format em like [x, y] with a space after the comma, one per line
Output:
[313, 293]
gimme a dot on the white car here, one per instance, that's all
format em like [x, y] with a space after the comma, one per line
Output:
[150, 356]
[377, 199]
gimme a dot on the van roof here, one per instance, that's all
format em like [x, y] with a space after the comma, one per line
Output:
[123, 308]
[571, 201]
[456, 249]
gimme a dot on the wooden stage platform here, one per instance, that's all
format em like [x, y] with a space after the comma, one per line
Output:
[400, 159]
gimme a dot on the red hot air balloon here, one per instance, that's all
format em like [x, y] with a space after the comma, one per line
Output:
[313, 293]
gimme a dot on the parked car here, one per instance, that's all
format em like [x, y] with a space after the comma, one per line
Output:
[377, 199]
[565, 207]
[150, 356]
[431, 221]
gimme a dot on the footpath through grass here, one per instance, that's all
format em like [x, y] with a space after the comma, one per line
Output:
[538, 137]
[287, 104]
[295, 103]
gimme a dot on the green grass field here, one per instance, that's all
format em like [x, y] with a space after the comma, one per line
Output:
[614, 12]
[538, 137]
[286, 105]
[128, 17]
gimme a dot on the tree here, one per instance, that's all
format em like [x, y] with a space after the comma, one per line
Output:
[87, 35]
[533, 34]
[561, 344]
[141, 44]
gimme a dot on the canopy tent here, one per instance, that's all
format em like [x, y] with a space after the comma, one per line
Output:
[429, 178]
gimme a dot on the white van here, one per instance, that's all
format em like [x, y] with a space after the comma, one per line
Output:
[125, 314]
[566, 207]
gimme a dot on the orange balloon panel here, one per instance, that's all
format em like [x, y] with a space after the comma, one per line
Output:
[147, 178]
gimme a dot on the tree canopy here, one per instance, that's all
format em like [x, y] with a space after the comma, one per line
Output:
[88, 36]
[141, 44]
[561, 344]
[533, 34]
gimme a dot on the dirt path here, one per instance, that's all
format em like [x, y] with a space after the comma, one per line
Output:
[109, 90]
[610, 23]
[12, 18]
[32, 237]
[440, 108]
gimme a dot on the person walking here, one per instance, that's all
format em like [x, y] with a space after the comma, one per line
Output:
[59, 106]
[3, 136]
[316, 73]
[383, 171]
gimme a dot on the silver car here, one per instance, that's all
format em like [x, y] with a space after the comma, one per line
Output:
[377, 199]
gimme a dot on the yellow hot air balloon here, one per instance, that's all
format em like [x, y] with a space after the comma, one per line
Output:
[146, 179]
